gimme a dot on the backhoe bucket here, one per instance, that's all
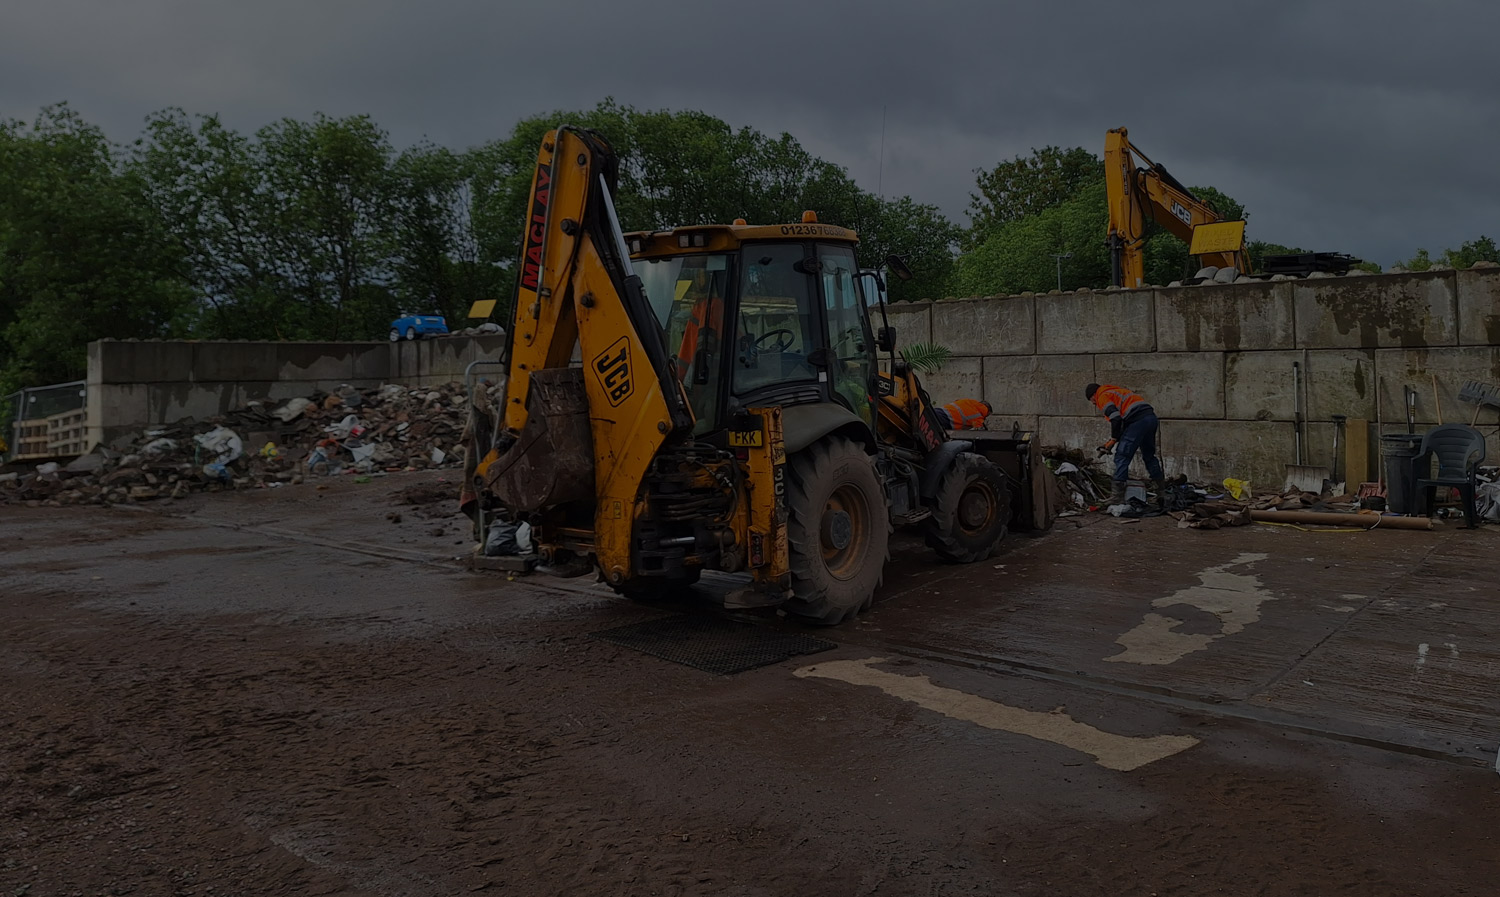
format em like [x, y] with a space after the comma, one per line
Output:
[552, 462]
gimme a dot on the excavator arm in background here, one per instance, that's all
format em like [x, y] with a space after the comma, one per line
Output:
[1141, 194]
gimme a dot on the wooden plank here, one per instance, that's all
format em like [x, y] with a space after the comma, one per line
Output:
[1357, 462]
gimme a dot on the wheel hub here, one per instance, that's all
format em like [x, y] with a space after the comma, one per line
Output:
[974, 509]
[838, 529]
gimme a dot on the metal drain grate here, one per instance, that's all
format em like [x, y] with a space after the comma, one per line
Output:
[711, 645]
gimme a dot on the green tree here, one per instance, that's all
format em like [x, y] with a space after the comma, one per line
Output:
[435, 264]
[1028, 185]
[1021, 254]
[1480, 250]
[1422, 261]
[683, 168]
[311, 230]
[1471, 251]
[206, 183]
[82, 256]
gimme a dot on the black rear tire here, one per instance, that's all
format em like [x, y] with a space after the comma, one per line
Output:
[971, 510]
[838, 531]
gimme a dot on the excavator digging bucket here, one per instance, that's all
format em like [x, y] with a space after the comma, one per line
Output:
[552, 461]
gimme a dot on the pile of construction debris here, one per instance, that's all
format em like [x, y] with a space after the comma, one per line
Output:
[359, 432]
[1216, 511]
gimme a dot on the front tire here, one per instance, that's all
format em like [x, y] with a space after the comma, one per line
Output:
[838, 531]
[970, 511]
[395, 335]
[411, 333]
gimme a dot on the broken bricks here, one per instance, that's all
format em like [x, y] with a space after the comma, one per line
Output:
[390, 428]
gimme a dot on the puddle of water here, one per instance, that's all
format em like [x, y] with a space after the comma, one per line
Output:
[1121, 752]
[1235, 598]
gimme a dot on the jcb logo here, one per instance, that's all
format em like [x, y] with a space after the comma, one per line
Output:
[613, 370]
[1182, 213]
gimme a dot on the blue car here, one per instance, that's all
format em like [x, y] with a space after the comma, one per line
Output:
[410, 326]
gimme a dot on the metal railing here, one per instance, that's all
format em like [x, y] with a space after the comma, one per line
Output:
[30, 421]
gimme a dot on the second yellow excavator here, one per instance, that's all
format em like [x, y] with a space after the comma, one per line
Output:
[1139, 194]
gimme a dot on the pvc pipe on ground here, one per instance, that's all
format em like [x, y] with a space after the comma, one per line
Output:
[1323, 518]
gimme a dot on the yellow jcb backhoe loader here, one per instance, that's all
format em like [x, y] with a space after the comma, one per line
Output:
[709, 398]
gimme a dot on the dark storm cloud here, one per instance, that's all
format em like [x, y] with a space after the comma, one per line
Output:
[1355, 127]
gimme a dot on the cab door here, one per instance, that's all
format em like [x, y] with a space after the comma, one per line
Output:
[850, 343]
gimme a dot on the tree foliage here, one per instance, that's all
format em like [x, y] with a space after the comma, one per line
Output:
[321, 229]
[82, 256]
[1471, 251]
[1028, 185]
[1032, 209]
[312, 230]
[684, 168]
[1022, 254]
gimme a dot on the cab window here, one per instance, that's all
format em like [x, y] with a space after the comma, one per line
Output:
[776, 324]
[687, 295]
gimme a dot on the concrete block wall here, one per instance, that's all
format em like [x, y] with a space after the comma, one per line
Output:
[437, 361]
[1216, 361]
[134, 384]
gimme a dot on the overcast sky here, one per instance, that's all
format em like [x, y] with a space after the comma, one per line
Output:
[1366, 127]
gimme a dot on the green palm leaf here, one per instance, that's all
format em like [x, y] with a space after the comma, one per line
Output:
[926, 358]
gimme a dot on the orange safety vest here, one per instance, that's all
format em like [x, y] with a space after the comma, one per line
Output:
[705, 316]
[1116, 401]
[966, 414]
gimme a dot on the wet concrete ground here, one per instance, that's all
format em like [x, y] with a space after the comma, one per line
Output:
[287, 692]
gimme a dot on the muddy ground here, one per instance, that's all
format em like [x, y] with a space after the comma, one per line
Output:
[298, 691]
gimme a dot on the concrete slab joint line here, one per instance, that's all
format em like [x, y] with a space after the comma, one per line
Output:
[1235, 598]
[1119, 752]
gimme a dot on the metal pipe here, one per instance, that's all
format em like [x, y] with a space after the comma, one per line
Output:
[1297, 408]
[1323, 518]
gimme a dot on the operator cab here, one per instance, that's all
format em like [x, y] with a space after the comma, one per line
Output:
[760, 316]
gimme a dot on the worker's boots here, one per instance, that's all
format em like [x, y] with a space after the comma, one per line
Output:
[1161, 493]
[1117, 494]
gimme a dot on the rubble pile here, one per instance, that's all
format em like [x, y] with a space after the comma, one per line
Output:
[265, 444]
[1084, 482]
[1214, 512]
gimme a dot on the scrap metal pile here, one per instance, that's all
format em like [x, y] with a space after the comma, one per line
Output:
[265, 444]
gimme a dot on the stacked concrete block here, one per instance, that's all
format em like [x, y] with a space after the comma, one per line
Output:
[1217, 361]
[960, 378]
[1416, 368]
[1037, 384]
[133, 384]
[1228, 318]
[986, 326]
[1377, 312]
[911, 320]
[1070, 324]
[1479, 307]
[1177, 384]
[437, 361]
[1260, 385]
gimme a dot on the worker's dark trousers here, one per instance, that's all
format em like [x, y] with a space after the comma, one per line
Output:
[1139, 433]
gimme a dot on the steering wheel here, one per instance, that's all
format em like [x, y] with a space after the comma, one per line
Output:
[787, 338]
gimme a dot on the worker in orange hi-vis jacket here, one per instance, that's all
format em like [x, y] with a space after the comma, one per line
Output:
[966, 414]
[1133, 426]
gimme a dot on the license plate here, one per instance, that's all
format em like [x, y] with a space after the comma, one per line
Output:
[745, 438]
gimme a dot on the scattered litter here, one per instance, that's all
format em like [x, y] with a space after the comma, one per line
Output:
[222, 442]
[396, 428]
[502, 539]
[292, 409]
